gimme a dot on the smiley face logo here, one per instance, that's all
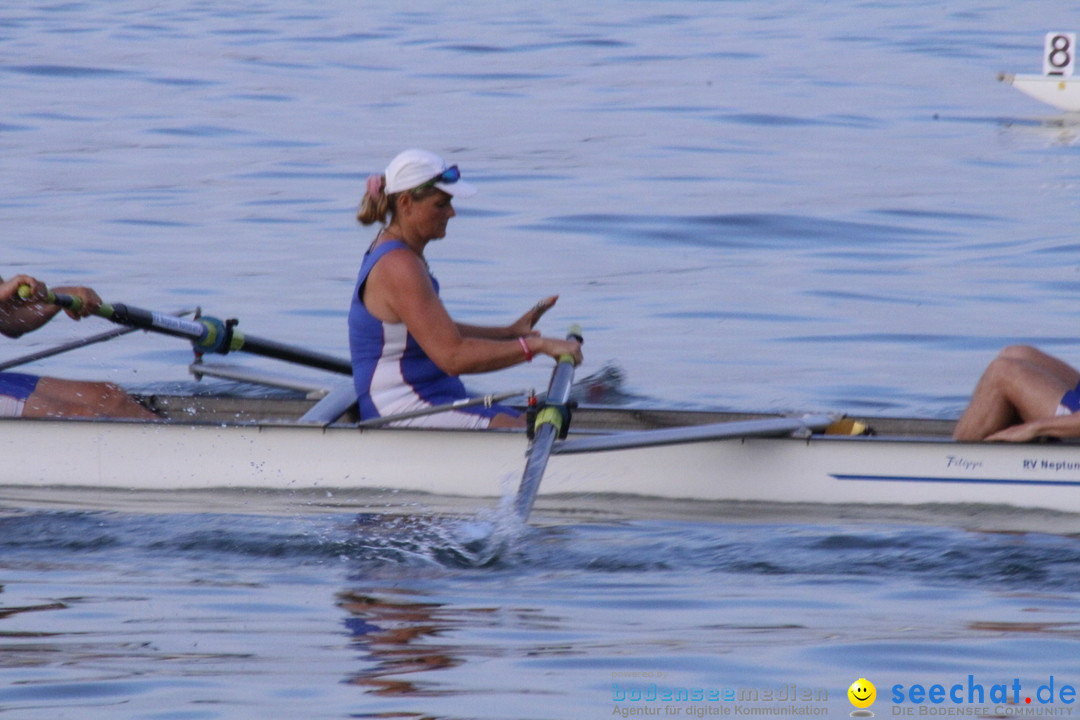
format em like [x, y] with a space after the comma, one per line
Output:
[862, 693]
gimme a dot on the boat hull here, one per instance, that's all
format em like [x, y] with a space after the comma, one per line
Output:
[1060, 92]
[893, 470]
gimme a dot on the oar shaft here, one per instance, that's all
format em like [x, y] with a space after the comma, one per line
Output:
[562, 380]
[193, 330]
[551, 421]
[288, 353]
[207, 334]
[535, 465]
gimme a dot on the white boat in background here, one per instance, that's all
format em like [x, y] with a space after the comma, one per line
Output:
[1055, 86]
[242, 443]
[1062, 93]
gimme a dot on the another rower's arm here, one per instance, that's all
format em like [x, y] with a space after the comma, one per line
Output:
[1060, 426]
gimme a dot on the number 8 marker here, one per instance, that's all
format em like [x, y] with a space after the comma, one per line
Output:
[1058, 54]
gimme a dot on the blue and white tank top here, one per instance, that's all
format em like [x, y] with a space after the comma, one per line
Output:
[391, 372]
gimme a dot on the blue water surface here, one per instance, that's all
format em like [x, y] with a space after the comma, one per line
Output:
[314, 615]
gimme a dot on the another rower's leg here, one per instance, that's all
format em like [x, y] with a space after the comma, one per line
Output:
[79, 399]
[1020, 384]
[1046, 363]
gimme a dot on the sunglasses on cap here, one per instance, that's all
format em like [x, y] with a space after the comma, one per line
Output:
[449, 176]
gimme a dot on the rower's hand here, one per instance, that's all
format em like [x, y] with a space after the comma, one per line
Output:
[557, 348]
[1025, 432]
[90, 301]
[9, 290]
[523, 326]
[24, 306]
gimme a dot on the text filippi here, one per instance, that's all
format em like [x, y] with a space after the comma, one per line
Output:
[955, 461]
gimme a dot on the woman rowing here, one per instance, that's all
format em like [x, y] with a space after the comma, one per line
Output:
[407, 352]
[24, 395]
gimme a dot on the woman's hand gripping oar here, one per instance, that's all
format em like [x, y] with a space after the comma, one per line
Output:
[207, 334]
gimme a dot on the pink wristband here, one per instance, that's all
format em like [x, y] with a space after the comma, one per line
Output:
[525, 348]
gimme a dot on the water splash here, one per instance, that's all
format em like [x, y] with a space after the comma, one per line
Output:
[482, 540]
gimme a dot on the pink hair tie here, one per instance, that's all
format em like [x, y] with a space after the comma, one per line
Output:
[375, 186]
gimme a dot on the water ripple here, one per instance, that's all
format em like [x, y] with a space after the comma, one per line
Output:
[65, 71]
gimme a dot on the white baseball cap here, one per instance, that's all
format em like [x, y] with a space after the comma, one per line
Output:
[414, 168]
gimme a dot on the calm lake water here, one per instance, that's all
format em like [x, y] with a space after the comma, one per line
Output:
[752, 205]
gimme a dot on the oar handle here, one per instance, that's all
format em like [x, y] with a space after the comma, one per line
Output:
[574, 333]
[70, 302]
